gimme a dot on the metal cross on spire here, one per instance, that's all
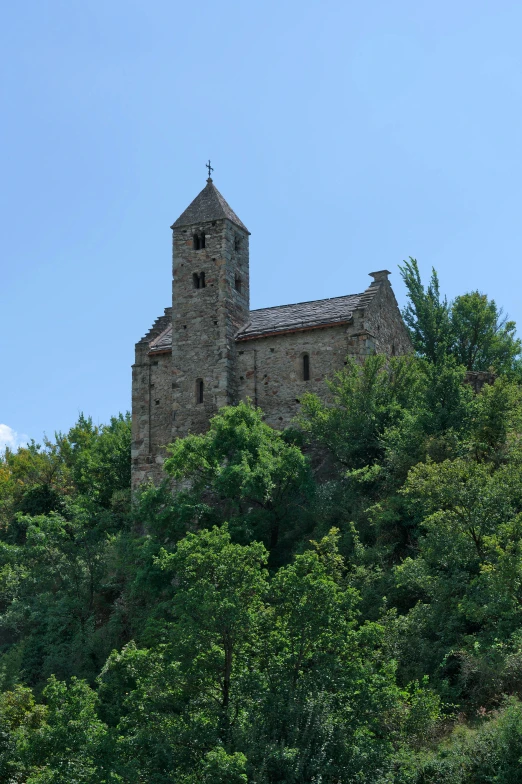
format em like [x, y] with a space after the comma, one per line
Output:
[210, 168]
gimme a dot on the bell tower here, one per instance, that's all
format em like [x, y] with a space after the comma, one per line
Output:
[210, 302]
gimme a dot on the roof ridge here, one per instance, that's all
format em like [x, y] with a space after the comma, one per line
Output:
[307, 302]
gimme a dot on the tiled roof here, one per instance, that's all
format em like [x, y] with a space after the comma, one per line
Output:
[281, 318]
[161, 323]
[163, 342]
[208, 205]
[302, 315]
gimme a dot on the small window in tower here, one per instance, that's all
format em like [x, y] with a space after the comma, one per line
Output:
[202, 240]
[198, 279]
[195, 242]
[199, 390]
[237, 283]
[237, 243]
[306, 367]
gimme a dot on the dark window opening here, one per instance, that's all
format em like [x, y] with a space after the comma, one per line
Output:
[393, 349]
[306, 367]
[237, 243]
[198, 278]
[198, 241]
[237, 283]
[157, 402]
[199, 390]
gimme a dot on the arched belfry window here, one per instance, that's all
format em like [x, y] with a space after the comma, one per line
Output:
[306, 367]
[198, 278]
[198, 240]
[200, 388]
[237, 283]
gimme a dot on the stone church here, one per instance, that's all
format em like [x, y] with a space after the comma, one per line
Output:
[210, 350]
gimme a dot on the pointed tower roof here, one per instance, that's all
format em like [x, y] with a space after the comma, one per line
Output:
[208, 205]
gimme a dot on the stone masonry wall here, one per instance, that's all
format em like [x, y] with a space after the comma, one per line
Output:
[151, 413]
[204, 320]
[383, 319]
[271, 368]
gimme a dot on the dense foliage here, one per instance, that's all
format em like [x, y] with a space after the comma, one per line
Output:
[337, 603]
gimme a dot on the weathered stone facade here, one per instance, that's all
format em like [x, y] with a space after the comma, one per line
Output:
[209, 350]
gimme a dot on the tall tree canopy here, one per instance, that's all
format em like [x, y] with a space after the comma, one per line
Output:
[472, 328]
[339, 603]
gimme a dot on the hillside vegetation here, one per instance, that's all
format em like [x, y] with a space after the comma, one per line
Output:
[338, 603]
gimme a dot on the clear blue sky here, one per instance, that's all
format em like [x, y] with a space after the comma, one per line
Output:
[346, 135]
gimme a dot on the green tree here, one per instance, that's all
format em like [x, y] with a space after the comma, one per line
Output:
[481, 338]
[218, 607]
[54, 595]
[270, 680]
[98, 458]
[19, 715]
[464, 585]
[66, 747]
[471, 329]
[250, 475]
[332, 708]
[426, 315]
[368, 399]
[489, 752]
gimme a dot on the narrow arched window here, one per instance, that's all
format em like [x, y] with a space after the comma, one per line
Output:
[237, 283]
[198, 279]
[195, 242]
[199, 390]
[306, 367]
[202, 240]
